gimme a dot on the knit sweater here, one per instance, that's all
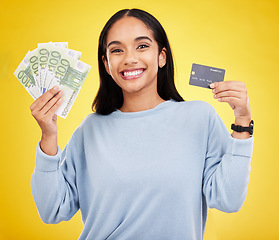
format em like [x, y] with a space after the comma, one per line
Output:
[148, 175]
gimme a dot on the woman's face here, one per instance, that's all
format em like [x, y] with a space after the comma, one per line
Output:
[132, 56]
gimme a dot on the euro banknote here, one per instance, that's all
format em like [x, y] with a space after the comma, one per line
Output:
[24, 74]
[53, 64]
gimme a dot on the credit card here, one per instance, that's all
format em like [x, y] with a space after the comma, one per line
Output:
[202, 75]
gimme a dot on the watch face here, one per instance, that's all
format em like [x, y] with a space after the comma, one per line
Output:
[251, 127]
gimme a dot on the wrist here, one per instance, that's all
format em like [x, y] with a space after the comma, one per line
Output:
[242, 130]
[47, 135]
[242, 121]
[48, 144]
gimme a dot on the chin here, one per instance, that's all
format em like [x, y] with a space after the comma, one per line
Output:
[131, 90]
[132, 87]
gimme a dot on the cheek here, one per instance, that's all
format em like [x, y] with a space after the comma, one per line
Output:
[153, 59]
[113, 65]
[110, 67]
[154, 64]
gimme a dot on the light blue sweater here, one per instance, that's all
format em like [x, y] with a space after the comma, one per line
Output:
[146, 175]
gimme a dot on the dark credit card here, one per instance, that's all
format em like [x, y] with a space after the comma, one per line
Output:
[202, 76]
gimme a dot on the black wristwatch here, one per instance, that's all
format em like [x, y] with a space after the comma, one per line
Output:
[239, 128]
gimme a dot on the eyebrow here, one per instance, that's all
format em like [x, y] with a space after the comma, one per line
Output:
[137, 39]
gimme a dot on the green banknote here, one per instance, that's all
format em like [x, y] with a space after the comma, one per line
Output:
[53, 61]
[43, 55]
[33, 61]
[53, 64]
[24, 74]
[61, 44]
[70, 75]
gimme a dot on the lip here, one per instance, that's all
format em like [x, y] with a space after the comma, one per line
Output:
[132, 76]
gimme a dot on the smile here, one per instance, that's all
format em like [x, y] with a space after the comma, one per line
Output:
[132, 73]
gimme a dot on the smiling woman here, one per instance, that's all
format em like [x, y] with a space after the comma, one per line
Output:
[132, 61]
[133, 45]
[146, 164]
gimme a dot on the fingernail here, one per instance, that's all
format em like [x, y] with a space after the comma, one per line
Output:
[55, 88]
[213, 90]
[212, 85]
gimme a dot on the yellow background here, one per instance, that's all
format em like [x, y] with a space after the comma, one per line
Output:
[239, 36]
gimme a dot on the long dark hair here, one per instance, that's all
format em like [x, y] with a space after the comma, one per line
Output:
[110, 96]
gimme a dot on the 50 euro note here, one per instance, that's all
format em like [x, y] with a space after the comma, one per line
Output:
[25, 76]
[70, 74]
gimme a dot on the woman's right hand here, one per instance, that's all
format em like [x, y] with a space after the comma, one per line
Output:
[43, 110]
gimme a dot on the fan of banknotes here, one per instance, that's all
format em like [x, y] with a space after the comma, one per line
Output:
[53, 64]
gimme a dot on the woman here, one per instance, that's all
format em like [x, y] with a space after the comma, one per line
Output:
[147, 164]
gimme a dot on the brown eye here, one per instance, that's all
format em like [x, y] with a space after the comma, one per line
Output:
[116, 51]
[142, 46]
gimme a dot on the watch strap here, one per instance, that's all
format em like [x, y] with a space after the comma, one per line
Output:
[239, 128]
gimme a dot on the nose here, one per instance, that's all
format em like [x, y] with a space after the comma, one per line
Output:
[130, 58]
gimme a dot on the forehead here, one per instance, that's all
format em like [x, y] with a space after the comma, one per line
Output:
[128, 28]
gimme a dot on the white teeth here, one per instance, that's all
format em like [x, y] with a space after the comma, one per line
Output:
[134, 73]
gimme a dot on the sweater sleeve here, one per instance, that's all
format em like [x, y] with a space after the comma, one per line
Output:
[53, 184]
[227, 167]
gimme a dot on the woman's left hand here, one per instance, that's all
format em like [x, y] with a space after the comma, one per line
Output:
[235, 94]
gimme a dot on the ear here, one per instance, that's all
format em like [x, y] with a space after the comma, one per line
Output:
[106, 64]
[163, 58]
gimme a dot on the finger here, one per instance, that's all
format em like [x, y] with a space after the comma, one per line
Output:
[42, 100]
[51, 102]
[231, 100]
[53, 109]
[228, 85]
[228, 93]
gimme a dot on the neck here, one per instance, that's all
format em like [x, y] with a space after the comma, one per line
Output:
[140, 102]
